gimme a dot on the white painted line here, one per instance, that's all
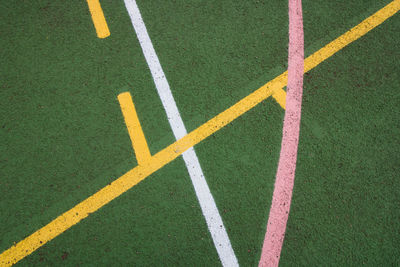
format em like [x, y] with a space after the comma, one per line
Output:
[206, 200]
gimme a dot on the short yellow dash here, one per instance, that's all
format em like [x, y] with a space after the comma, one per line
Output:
[136, 134]
[98, 18]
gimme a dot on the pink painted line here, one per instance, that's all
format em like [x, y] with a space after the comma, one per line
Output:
[282, 195]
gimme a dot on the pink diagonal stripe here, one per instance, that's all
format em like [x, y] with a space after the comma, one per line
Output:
[282, 195]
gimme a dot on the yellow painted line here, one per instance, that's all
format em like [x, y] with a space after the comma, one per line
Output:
[342, 41]
[165, 156]
[352, 35]
[98, 18]
[135, 131]
[133, 177]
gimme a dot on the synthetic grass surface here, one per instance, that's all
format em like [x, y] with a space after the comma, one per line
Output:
[63, 136]
[345, 201]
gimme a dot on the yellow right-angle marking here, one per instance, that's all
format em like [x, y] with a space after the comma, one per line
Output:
[165, 156]
[138, 140]
[280, 97]
[98, 18]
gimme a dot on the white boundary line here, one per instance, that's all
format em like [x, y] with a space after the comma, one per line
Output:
[206, 200]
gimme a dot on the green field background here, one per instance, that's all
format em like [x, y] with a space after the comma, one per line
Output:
[63, 136]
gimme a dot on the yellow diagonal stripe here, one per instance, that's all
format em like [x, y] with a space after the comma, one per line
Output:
[135, 131]
[342, 41]
[351, 35]
[98, 18]
[137, 174]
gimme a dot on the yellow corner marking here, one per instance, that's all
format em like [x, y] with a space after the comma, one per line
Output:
[98, 18]
[135, 131]
[280, 97]
[165, 156]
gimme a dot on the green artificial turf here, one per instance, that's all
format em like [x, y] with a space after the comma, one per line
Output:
[63, 136]
[345, 200]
